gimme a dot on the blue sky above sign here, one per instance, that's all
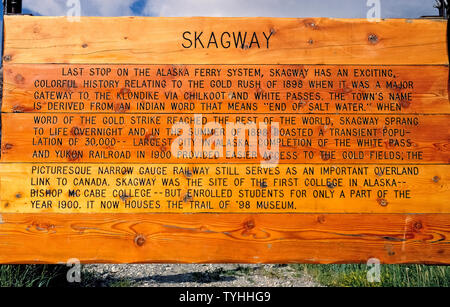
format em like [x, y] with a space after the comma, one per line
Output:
[235, 8]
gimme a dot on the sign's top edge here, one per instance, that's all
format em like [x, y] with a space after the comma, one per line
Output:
[231, 18]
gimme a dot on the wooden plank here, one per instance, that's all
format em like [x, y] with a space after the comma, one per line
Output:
[136, 40]
[205, 188]
[76, 88]
[216, 238]
[33, 137]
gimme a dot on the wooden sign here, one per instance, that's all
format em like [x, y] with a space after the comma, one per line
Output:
[225, 140]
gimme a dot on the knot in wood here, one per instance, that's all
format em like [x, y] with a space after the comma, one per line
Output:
[249, 224]
[331, 185]
[382, 202]
[417, 226]
[188, 173]
[8, 146]
[139, 240]
[373, 39]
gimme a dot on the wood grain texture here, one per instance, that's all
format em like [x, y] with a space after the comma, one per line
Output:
[413, 230]
[20, 143]
[159, 40]
[428, 190]
[220, 238]
[427, 85]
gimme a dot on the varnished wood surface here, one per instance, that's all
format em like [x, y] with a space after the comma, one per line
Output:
[428, 190]
[410, 231]
[20, 143]
[137, 40]
[219, 238]
[426, 84]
